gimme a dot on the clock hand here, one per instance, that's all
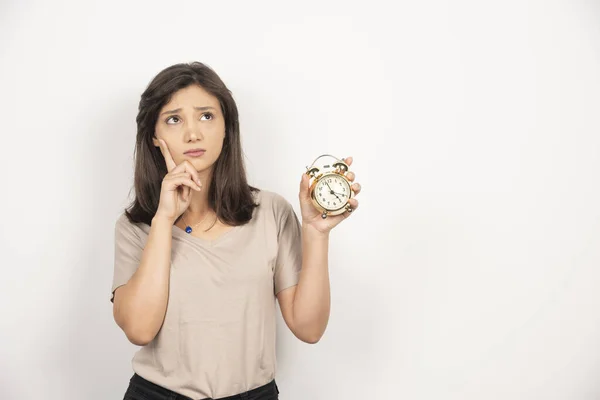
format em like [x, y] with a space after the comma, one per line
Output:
[333, 193]
[330, 189]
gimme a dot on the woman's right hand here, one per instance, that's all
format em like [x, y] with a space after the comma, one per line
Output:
[175, 192]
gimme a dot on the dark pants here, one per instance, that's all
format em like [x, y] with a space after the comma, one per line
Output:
[141, 389]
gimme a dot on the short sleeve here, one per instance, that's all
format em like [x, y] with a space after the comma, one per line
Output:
[289, 246]
[128, 252]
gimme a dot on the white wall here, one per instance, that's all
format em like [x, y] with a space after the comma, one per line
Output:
[470, 269]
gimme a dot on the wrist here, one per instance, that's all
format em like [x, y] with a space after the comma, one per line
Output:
[312, 232]
[162, 219]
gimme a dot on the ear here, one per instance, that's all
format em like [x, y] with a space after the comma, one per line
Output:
[155, 142]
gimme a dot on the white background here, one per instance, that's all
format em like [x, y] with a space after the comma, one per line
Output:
[468, 272]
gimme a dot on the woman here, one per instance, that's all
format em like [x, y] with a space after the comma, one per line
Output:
[201, 256]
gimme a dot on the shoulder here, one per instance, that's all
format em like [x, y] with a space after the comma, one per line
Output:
[123, 224]
[274, 201]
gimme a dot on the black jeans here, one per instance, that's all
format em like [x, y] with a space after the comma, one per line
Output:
[142, 389]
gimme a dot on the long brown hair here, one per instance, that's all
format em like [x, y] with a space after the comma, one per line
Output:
[229, 193]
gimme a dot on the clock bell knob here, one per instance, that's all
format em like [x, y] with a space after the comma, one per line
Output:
[341, 166]
[312, 172]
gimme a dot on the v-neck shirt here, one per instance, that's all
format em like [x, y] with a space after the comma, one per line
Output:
[218, 335]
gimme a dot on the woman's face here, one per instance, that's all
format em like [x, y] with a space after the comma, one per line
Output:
[192, 119]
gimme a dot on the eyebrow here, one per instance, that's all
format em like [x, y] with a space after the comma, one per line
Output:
[195, 108]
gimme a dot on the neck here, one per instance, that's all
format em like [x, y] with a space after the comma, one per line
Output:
[199, 206]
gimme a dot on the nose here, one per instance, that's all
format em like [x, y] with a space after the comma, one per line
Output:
[193, 132]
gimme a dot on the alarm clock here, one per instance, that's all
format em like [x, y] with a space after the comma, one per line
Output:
[329, 188]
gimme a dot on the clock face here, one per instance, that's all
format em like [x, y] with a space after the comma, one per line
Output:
[332, 192]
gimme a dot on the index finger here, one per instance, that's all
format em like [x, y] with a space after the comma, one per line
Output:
[167, 155]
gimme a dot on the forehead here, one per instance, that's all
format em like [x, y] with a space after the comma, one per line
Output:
[191, 96]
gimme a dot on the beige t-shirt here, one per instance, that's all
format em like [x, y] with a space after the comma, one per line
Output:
[218, 336]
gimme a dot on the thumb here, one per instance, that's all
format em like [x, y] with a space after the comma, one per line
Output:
[304, 185]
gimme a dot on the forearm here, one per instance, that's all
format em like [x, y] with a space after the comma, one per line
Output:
[142, 302]
[312, 298]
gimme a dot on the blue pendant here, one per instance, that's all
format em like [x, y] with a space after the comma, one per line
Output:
[188, 229]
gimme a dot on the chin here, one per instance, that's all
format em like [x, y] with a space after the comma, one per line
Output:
[201, 165]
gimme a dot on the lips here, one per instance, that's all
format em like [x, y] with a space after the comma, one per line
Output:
[195, 152]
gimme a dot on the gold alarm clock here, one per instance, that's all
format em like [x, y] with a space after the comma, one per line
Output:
[329, 189]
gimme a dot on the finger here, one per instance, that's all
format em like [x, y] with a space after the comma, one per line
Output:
[353, 206]
[184, 174]
[175, 181]
[167, 155]
[176, 174]
[186, 194]
[348, 160]
[304, 185]
[356, 188]
[351, 176]
[189, 168]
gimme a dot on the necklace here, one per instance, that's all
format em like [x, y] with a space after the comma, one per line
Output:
[188, 228]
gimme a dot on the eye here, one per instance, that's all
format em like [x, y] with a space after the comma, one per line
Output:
[208, 114]
[168, 119]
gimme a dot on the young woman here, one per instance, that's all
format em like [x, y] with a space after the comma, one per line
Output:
[201, 256]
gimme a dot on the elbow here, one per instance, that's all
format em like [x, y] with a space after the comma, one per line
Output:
[308, 334]
[136, 333]
[312, 340]
[139, 337]
[138, 341]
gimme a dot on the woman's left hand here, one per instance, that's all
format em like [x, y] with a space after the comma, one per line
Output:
[312, 217]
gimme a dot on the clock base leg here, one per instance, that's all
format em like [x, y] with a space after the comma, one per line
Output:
[324, 215]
